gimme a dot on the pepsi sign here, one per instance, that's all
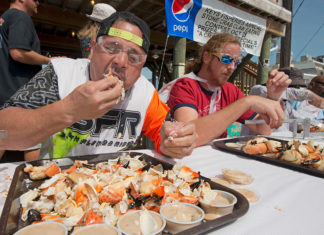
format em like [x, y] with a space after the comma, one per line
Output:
[180, 17]
[198, 20]
[181, 9]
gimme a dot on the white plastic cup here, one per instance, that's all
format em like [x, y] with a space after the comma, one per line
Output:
[48, 228]
[214, 211]
[174, 226]
[125, 231]
[97, 229]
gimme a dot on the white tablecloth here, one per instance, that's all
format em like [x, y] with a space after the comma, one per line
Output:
[290, 202]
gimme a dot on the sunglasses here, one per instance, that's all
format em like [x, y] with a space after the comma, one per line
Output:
[226, 59]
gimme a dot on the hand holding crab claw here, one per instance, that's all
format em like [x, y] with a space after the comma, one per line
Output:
[177, 139]
[92, 99]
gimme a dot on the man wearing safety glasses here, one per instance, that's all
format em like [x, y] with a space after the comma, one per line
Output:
[205, 97]
[96, 106]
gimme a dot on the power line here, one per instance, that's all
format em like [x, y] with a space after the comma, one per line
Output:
[310, 40]
[298, 8]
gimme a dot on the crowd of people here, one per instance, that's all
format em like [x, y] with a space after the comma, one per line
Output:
[96, 104]
[298, 100]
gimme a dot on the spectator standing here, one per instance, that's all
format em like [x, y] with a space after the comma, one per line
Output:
[20, 57]
[88, 33]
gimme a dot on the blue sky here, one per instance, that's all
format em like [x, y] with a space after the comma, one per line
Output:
[305, 23]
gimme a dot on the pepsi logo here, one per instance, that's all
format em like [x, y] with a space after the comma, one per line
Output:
[181, 9]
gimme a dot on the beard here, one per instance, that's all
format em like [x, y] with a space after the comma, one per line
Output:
[220, 78]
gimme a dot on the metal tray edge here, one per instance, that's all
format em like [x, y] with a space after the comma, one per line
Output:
[221, 145]
[240, 208]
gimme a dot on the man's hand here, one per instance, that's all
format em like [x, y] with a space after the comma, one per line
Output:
[178, 139]
[269, 110]
[92, 99]
[277, 83]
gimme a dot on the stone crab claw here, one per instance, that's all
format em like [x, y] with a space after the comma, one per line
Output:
[62, 207]
[33, 215]
[292, 156]
[86, 193]
[92, 217]
[256, 146]
[28, 196]
[273, 146]
[50, 181]
[310, 146]
[91, 192]
[313, 160]
[113, 193]
[187, 174]
[303, 150]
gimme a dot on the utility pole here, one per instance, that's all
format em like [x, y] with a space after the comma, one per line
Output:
[285, 51]
[179, 57]
[263, 66]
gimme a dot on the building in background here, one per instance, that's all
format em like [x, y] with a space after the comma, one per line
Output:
[311, 66]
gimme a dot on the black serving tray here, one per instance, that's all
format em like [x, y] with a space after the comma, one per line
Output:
[221, 144]
[10, 220]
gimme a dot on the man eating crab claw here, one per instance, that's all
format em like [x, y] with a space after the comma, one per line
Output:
[81, 107]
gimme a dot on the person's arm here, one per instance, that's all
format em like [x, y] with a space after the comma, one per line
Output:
[28, 57]
[212, 126]
[258, 90]
[27, 127]
[316, 100]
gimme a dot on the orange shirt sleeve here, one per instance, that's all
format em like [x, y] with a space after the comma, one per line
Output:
[154, 118]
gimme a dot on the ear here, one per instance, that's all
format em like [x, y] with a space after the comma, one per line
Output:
[207, 57]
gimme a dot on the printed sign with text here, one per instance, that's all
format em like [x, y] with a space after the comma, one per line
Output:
[198, 20]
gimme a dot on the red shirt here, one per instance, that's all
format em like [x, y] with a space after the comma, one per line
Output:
[188, 92]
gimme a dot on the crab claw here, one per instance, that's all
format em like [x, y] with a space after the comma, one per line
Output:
[292, 156]
[187, 174]
[92, 218]
[255, 148]
[113, 194]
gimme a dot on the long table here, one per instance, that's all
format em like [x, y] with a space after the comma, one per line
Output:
[290, 202]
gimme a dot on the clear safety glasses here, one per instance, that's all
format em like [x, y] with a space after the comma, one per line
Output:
[114, 48]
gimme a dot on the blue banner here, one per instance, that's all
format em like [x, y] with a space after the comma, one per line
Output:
[199, 20]
[180, 17]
